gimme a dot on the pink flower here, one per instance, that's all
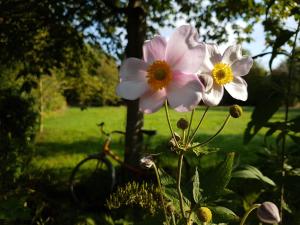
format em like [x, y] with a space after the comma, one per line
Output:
[224, 71]
[168, 72]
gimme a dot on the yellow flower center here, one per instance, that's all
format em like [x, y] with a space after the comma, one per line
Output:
[222, 73]
[159, 75]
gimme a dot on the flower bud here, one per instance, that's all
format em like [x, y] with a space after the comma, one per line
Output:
[268, 213]
[235, 111]
[204, 214]
[147, 162]
[170, 208]
[182, 124]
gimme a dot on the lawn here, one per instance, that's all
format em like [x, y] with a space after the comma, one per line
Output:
[72, 134]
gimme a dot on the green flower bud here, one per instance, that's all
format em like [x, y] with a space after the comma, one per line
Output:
[170, 208]
[235, 111]
[182, 124]
[204, 214]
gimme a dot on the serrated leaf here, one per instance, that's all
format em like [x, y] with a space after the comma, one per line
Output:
[251, 172]
[223, 215]
[203, 150]
[196, 187]
[215, 181]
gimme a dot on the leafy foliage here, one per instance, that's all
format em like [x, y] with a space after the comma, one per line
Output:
[17, 132]
[135, 194]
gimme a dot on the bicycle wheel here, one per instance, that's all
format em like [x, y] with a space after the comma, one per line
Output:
[91, 181]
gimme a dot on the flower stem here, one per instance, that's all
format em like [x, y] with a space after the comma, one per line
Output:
[255, 206]
[194, 133]
[180, 159]
[173, 218]
[169, 124]
[215, 135]
[190, 124]
[161, 193]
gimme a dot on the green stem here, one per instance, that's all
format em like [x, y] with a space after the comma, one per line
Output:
[161, 193]
[289, 88]
[173, 218]
[184, 137]
[169, 124]
[190, 124]
[215, 135]
[194, 133]
[255, 206]
[180, 159]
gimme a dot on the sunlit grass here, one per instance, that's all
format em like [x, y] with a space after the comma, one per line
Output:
[71, 135]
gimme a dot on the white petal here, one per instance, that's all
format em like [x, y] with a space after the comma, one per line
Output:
[133, 69]
[237, 88]
[132, 89]
[207, 81]
[154, 49]
[152, 101]
[242, 66]
[184, 52]
[213, 96]
[184, 92]
[231, 54]
[213, 53]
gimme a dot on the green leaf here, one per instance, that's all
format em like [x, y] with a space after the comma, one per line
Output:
[264, 110]
[282, 37]
[215, 181]
[196, 187]
[251, 172]
[203, 150]
[295, 124]
[223, 215]
[295, 138]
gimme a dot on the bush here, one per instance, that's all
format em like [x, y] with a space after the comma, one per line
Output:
[17, 132]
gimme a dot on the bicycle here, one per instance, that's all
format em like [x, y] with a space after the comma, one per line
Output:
[91, 188]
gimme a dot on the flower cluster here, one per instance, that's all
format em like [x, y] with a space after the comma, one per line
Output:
[183, 71]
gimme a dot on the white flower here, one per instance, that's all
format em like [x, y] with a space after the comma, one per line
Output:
[224, 71]
[147, 162]
[168, 72]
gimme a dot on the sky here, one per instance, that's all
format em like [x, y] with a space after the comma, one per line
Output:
[255, 47]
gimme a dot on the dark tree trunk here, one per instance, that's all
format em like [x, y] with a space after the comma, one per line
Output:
[136, 33]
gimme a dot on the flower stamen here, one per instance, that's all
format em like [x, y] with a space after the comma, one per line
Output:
[222, 74]
[159, 75]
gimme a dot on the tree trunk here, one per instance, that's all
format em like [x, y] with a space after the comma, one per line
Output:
[136, 32]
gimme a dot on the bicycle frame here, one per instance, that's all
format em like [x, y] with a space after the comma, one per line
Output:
[108, 152]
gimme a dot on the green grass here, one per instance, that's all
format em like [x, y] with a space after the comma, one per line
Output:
[71, 135]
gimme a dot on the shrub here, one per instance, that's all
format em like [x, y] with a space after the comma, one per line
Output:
[17, 132]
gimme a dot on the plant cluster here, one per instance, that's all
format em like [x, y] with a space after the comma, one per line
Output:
[180, 73]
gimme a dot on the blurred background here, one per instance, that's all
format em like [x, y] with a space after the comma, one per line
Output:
[59, 65]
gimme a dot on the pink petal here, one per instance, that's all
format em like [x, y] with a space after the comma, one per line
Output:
[237, 88]
[184, 91]
[242, 66]
[207, 81]
[133, 79]
[214, 95]
[152, 101]
[131, 89]
[154, 49]
[133, 69]
[184, 52]
[231, 54]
